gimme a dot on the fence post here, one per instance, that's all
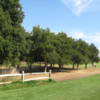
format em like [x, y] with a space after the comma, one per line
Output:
[45, 69]
[23, 76]
[50, 74]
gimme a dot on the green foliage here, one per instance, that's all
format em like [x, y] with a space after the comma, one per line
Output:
[13, 9]
[41, 45]
[12, 34]
[59, 48]
[94, 52]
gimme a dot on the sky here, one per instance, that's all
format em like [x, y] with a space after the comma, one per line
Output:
[80, 19]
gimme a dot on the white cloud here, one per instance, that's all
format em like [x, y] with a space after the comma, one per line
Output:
[95, 38]
[90, 38]
[80, 6]
[78, 35]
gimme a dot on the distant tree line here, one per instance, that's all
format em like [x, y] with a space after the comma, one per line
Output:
[40, 45]
[51, 48]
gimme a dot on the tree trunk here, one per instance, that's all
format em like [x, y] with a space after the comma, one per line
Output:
[73, 66]
[62, 66]
[77, 66]
[59, 67]
[85, 66]
[40, 64]
[92, 64]
[46, 66]
[51, 65]
[18, 66]
[30, 68]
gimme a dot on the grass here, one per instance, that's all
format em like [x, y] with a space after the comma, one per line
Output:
[83, 89]
[20, 85]
[98, 65]
[82, 66]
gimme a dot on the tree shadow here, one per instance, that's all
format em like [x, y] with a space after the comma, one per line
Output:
[42, 69]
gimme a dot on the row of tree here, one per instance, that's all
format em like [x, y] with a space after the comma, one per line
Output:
[40, 45]
[51, 48]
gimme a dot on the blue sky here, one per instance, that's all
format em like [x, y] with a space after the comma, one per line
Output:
[78, 18]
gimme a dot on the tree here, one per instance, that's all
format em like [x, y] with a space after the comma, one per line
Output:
[77, 58]
[83, 48]
[94, 54]
[13, 36]
[43, 48]
[13, 9]
[77, 53]
[63, 49]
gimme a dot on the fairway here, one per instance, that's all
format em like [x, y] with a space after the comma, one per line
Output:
[83, 89]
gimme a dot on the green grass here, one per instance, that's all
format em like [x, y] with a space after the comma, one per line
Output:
[98, 65]
[82, 66]
[83, 89]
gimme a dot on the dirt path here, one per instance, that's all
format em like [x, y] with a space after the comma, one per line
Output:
[61, 76]
[70, 75]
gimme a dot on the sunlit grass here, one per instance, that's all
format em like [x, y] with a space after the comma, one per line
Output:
[83, 89]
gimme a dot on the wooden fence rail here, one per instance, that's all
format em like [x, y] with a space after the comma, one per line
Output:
[23, 75]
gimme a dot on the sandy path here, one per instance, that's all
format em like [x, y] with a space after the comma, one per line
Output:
[61, 76]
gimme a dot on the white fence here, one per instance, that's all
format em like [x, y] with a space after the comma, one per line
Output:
[41, 76]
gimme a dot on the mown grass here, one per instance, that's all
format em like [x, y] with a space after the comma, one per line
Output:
[83, 89]
[20, 84]
[82, 66]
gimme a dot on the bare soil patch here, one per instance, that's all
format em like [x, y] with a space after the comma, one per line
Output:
[75, 74]
[69, 74]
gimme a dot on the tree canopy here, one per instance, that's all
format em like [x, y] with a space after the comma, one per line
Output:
[40, 45]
